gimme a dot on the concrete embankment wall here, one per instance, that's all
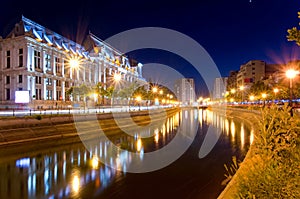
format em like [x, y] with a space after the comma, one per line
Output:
[27, 130]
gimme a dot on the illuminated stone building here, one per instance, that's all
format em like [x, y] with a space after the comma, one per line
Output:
[38, 60]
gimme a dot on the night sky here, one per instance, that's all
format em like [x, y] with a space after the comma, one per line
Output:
[232, 32]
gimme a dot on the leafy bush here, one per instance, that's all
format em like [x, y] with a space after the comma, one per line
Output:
[273, 171]
[38, 117]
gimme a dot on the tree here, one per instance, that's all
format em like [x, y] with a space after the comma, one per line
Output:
[99, 89]
[70, 91]
[81, 91]
[258, 88]
[110, 93]
[294, 34]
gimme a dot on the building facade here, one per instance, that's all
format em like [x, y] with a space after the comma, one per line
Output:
[38, 60]
[185, 91]
[231, 81]
[251, 72]
[220, 86]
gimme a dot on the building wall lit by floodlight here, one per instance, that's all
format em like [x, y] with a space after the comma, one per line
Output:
[42, 62]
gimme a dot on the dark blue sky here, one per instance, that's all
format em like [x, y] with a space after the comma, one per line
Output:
[232, 31]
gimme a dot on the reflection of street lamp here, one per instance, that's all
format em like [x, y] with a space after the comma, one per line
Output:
[291, 74]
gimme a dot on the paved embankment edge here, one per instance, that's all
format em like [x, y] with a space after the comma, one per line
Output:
[250, 118]
[29, 129]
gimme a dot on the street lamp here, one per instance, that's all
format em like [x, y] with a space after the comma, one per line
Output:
[74, 63]
[154, 89]
[275, 90]
[291, 74]
[117, 77]
[242, 90]
[138, 98]
[264, 95]
[252, 98]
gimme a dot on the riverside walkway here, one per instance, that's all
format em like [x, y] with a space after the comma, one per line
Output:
[107, 109]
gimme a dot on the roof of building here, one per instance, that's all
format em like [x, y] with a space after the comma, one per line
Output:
[40, 33]
[92, 44]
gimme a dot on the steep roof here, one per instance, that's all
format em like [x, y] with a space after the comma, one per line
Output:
[40, 33]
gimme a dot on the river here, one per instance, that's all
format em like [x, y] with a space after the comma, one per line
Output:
[100, 171]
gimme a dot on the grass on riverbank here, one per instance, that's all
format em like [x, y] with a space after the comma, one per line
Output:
[272, 169]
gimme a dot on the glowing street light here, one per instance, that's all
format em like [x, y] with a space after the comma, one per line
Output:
[264, 96]
[161, 92]
[251, 97]
[138, 98]
[154, 89]
[117, 77]
[232, 90]
[291, 74]
[242, 89]
[74, 63]
[275, 90]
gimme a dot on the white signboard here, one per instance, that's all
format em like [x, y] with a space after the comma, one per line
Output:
[22, 97]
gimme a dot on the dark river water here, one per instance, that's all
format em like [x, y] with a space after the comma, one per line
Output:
[99, 171]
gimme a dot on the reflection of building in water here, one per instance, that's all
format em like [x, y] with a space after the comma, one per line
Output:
[62, 174]
[189, 122]
[58, 174]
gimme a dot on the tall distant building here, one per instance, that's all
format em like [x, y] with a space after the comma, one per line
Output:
[185, 91]
[220, 88]
[38, 61]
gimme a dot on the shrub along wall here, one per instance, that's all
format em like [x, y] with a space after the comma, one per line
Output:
[272, 167]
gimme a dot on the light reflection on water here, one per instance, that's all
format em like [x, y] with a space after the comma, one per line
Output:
[235, 131]
[64, 173]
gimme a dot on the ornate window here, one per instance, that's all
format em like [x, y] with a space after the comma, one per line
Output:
[37, 59]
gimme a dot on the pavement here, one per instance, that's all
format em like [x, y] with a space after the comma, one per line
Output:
[29, 112]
